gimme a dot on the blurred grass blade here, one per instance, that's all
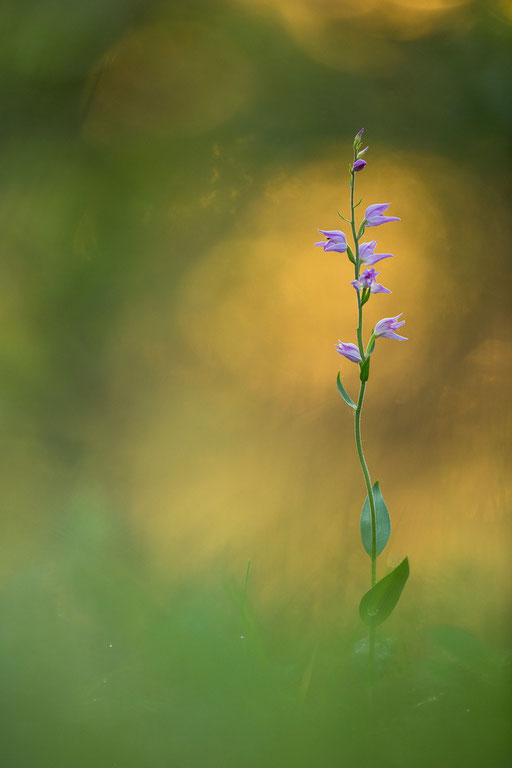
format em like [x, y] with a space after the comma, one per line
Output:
[343, 392]
[305, 682]
[382, 521]
[379, 602]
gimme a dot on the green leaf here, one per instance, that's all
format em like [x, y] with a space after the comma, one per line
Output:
[350, 254]
[365, 370]
[345, 395]
[371, 347]
[380, 601]
[349, 221]
[382, 522]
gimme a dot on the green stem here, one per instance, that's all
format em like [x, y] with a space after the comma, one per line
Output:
[371, 661]
[360, 325]
[369, 489]
[367, 479]
[359, 445]
[362, 352]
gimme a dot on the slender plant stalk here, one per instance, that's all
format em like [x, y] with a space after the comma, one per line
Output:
[357, 417]
[364, 467]
[367, 481]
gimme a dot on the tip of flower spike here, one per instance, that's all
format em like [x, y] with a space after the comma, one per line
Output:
[357, 139]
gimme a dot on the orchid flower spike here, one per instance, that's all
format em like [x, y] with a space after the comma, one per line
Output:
[367, 255]
[350, 351]
[374, 215]
[359, 165]
[368, 280]
[386, 328]
[375, 524]
[336, 240]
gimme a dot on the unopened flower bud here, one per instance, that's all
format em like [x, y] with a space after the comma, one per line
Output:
[357, 139]
[359, 165]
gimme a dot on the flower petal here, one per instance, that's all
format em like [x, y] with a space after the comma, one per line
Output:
[333, 233]
[378, 288]
[372, 259]
[332, 245]
[393, 335]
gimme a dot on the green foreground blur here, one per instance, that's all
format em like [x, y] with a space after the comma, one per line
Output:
[168, 401]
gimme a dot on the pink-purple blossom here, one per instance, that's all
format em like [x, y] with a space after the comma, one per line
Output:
[359, 165]
[368, 280]
[350, 351]
[367, 255]
[374, 215]
[336, 240]
[386, 328]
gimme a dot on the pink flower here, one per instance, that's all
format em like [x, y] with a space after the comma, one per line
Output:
[350, 351]
[368, 280]
[336, 240]
[386, 328]
[374, 215]
[367, 255]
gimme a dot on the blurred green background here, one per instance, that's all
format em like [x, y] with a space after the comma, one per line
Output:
[168, 399]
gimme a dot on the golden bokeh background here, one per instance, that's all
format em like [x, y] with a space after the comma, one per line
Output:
[167, 332]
